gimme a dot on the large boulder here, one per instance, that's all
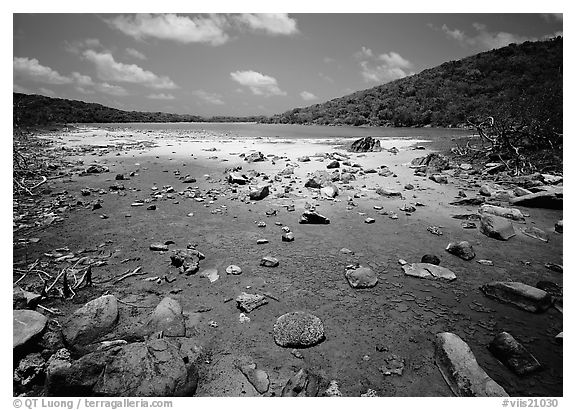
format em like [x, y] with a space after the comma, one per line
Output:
[259, 193]
[462, 249]
[186, 260]
[313, 218]
[26, 324]
[433, 162]
[509, 213]
[236, 178]
[318, 179]
[512, 354]
[428, 270]
[366, 144]
[361, 277]
[524, 296]
[330, 191]
[333, 164]
[166, 318]
[298, 329]
[460, 369]
[255, 157]
[496, 227]
[92, 321]
[544, 199]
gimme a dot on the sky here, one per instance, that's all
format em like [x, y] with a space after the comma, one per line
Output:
[244, 63]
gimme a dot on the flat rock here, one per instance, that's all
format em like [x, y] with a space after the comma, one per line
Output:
[255, 157]
[509, 213]
[247, 302]
[235, 178]
[460, 369]
[298, 329]
[496, 227]
[166, 318]
[389, 193]
[524, 296]
[158, 247]
[439, 179]
[536, 233]
[361, 277]
[462, 249]
[233, 270]
[26, 324]
[513, 354]
[259, 193]
[544, 199]
[302, 384]
[313, 218]
[92, 321]
[428, 271]
[468, 201]
[329, 191]
[269, 262]
[257, 378]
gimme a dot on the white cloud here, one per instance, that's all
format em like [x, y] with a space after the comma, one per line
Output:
[308, 96]
[271, 23]
[82, 80]
[182, 29]
[455, 34]
[31, 69]
[47, 92]
[19, 89]
[77, 46]
[111, 89]
[135, 53]
[109, 69]
[384, 67]
[211, 98]
[258, 83]
[326, 77]
[161, 96]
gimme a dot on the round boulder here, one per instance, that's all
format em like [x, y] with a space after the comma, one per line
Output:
[298, 329]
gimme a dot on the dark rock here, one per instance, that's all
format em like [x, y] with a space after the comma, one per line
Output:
[551, 288]
[30, 369]
[259, 193]
[22, 299]
[496, 227]
[151, 207]
[255, 157]
[119, 177]
[287, 237]
[559, 226]
[313, 218]
[234, 178]
[513, 354]
[361, 277]
[524, 296]
[440, 179]
[298, 329]
[96, 169]
[269, 262]
[92, 321]
[434, 162]
[388, 192]
[461, 249]
[468, 201]
[366, 144]
[248, 302]
[428, 271]
[187, 260]
[333, 164]
[544, 199]
[85, 192]
[433, 259]
[166, 318]
[26, 325]
[296, 385]
[304, 159]
[369, 220]
[460, 369]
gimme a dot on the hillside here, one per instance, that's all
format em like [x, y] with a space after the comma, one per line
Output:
[40, 110]
[517, 81]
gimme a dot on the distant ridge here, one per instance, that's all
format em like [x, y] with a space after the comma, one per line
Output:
[516, 81]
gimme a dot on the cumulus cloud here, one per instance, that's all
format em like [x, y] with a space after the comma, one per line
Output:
[135, 53]
[82, 80]
[211, 98]
[161, 96]
[382, 68]
[47, 92]
[258, 83]
[77, 46]
[271, 23]
[109, 69]
[111, 89]
[200, 29]
[308, 96]
[31, 69]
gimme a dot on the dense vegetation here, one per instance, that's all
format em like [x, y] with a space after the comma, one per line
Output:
[518, 81]
[40, 110]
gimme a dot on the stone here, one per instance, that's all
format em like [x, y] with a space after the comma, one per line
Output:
[428, 271]
[513, 355]
[303, 159]
[158, 247]
[330, 191]
[298, 329]
[259, 193]
[519, 191]
[551, 288]
[313, 218]
[29, 369]
[166, 318]
[65, 377]
[369, 393]
[433, 162]
[147, 369]
[536, 233]
[189, 179]
[439, 179]
[468, 201]
[544, 199]
[361, 277]
[496, 227]
[552, 179]
[257, 378]
[151, 207]
[409, 187]
[460, 369]
[233, 270]
[389, 193]
[519, 294]
[92, 321]
[186, 260]
[211, 274]
[369, 220]
[261, 241]
[559, 226]
[247, 302]
[509, 213]
[96, 169]
[333, 164]
[394, 366]
[333, 390]
[433, 259]
[269, 262]
[366, 144]
[235, 178]
[255, 157]
[462, 249]
[296, 385]
[22, 299]
[287, 237]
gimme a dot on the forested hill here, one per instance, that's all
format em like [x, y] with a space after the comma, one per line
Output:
[40, 110]
[517, 81]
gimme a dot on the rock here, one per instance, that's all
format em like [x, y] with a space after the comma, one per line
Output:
[536, 233]
[65, 377]
[166, 318]
[235, 178]
[485, 262]
[559, 337]
[313, 218]
[186, 260]
[434, 230]
[261, 241]
[289, 170]
[519, 191]
[158, 247]
[551, 288]
[428, 271]
[287, 237]
[462, 249]
[303, 159]
[544, 199]
[408, 208]
[92, 321]
[460, 369]
[509, 213]
[388, 192]
[269, 262]
[369, 393]
[330, 191]
[468, 201]
[554, 267]
[439, 179]
[22, 299]
[369, 220]
[96, 169]
[255, 157]
[366, 144]
[433, 259]
[29, 369]
[151, 207]
[147, 369]
[333, 164]
[559, 226]
[552, 179]
[189, 179]
[513, 355]
[296, 385]
[524, 296]
[434, 162]
[85, 192]
[409, 186]
[247, 302]
[298, 329]
[361, 277]
[496, 227]
[465, 167]
[257, 378]
[394, 365]
[233, 270]
[259, 193]
[211, 274]
[333, 390]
